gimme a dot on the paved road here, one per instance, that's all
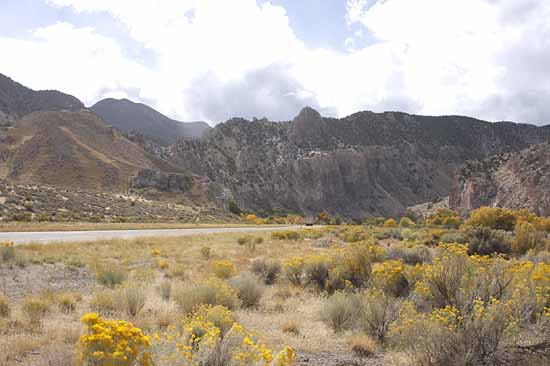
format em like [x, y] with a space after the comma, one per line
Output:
[74, 236]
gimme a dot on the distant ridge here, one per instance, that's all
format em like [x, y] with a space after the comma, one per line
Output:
[129, 116]
[17, 100]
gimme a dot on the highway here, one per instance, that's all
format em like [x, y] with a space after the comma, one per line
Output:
[84, 236]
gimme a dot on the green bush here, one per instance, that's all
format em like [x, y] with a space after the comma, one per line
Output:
[341, 311]
[110, 278]
[484, 241]
[249, 290]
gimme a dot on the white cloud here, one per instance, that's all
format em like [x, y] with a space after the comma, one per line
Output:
[487, 58]
[74, 60]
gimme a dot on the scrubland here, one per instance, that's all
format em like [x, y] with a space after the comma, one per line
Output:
[403, 291]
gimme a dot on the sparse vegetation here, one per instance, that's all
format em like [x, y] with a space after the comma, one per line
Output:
[420, 294]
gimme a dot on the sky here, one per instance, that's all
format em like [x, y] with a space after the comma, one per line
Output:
[212, 60]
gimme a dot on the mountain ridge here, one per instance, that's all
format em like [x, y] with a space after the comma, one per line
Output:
[129, 116]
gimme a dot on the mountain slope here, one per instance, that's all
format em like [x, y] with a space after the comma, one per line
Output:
[71, 150]
[129, 116]
[513, 180]
[367, 163]
[17, 100]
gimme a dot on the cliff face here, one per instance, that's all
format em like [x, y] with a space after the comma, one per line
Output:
[514, 180]
[366, 163]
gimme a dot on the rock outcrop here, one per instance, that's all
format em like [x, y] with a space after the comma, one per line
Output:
[513, 180]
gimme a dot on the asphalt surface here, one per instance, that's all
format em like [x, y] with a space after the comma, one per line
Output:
[83, 236]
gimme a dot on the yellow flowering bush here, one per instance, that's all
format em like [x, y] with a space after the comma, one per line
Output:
[389, 276]
[224, 269]
[390, 223]
[444, 217]
[201, 339]
[212, 291]
[294, 270]
[113, 342]
[495, 218]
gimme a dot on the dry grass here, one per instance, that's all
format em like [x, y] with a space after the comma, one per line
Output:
[91, 226]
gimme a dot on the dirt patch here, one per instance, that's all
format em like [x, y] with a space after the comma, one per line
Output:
[336, 359]
[18, 282]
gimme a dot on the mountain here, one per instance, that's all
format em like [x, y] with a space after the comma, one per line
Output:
[17, 100]
[367, 163]
[128, 116]
[512, 180]
[72, 150]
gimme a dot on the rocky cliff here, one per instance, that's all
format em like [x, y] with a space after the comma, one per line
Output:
[367, 163]
[513, 180]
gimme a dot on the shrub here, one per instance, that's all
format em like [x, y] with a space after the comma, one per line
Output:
[416, 255]
[234, 208]
[35, 308]
[406, 222]
[378, 313]
[444, 217]
[526, 238]
[353, 235]
[341, 311]
[268, 270]
[453, 237]
[249, 290]
[390, 223]
[363, 345]
[444, 279]
[316, 271]
[389, 276]
[294, 270]
[224, 269]
[5, 309]
[285, 235]
[243, 240]
[104, 303]
[113, 342]
[67, 303]
[177, 271]
[110, 278]
[201, 342]
[206, 252]
[354, 265]
[133, 300]
[447, 336]
[165, 289]
[484, 241]
[493, 218]
[7, 251]
[212, 292]
[291, 326]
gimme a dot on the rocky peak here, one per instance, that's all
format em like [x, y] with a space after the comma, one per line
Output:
[308, 128]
